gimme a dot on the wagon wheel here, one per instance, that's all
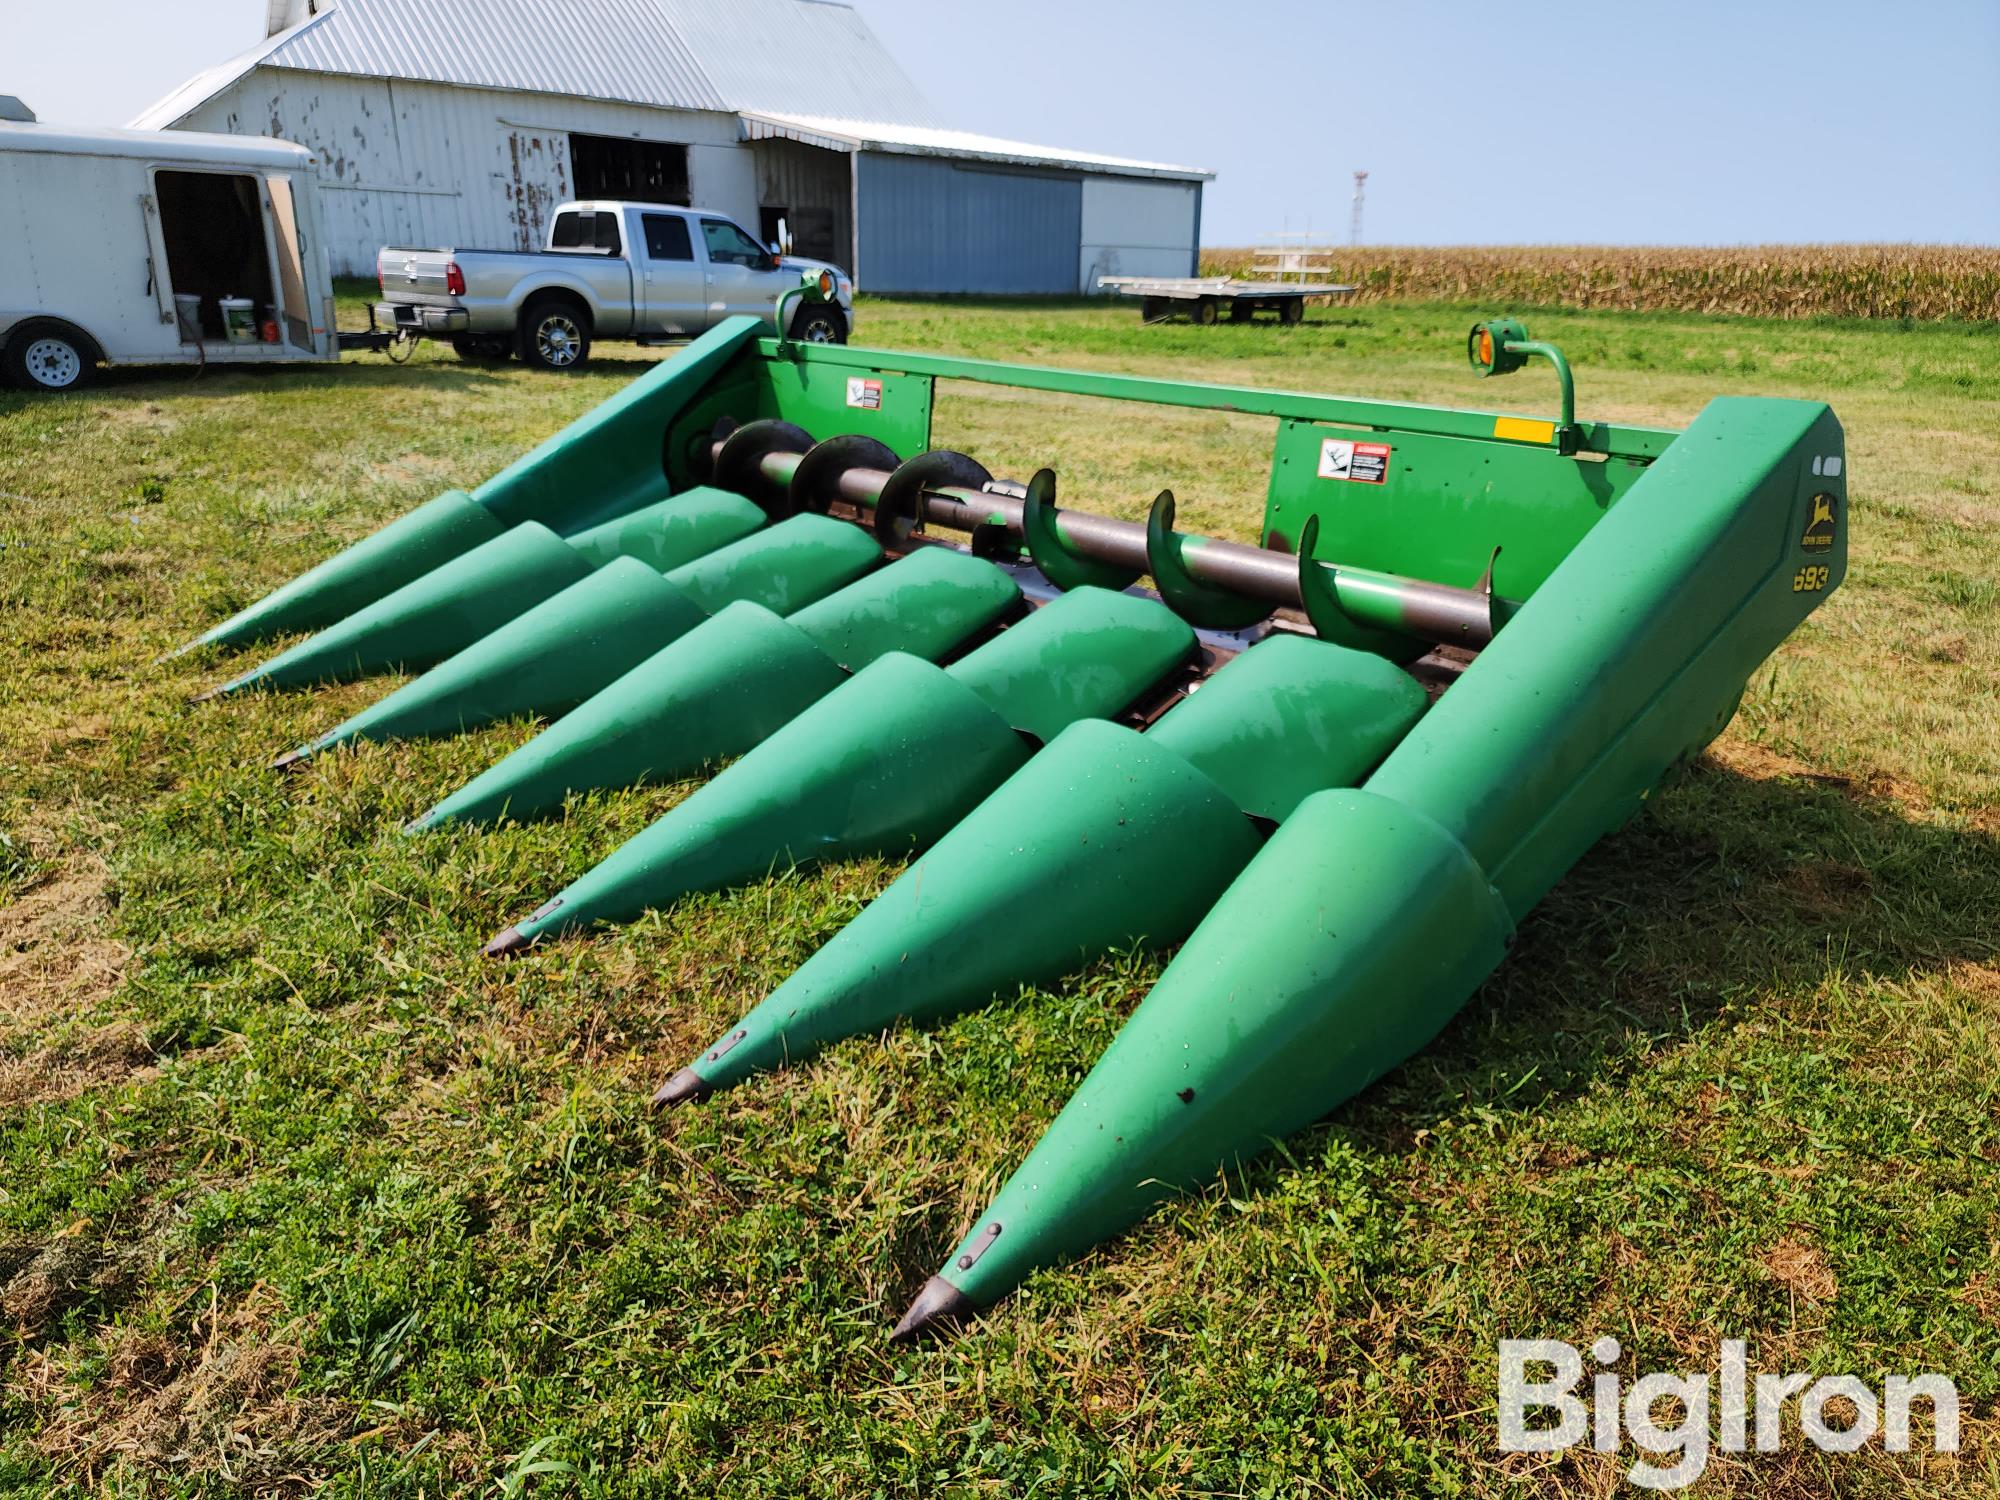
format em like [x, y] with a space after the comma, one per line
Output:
[1203, 311]
[1294, 310]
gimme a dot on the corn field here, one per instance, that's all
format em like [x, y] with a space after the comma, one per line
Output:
[1774, 281]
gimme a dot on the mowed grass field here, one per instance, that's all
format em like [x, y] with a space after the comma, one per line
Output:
[298, 1193]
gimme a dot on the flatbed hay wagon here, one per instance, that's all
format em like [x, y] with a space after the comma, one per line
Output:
[1204, 299]
[1334, 765]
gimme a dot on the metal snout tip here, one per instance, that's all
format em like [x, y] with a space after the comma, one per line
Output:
[420, 824]
[683, 1086]
[938, 1302]
[505, 943]
[178, 652]
[209, 695]
[291, 760]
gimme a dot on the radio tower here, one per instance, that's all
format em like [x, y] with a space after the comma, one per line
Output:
[1354, 224]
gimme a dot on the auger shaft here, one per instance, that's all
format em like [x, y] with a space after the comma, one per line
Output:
[1418, 607]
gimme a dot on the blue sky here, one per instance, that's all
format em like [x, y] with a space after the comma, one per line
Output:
[1694, 122]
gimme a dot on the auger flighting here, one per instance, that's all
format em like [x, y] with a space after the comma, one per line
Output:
[1334, 769]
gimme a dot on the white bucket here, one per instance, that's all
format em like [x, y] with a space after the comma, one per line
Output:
[187, 313]
[239, 319]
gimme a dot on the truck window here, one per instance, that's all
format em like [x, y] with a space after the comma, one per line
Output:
[667, 237]
[586, 231]
[730, 245]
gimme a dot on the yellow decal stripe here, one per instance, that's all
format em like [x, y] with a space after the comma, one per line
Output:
[1524, 429]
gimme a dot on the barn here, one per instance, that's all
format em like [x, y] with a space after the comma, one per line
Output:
[466, 124]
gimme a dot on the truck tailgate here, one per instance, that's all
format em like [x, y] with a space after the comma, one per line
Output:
[413, 275]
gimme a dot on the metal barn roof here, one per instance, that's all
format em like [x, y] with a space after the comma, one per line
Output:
[814, 57]
[917, 140]
[717, 55]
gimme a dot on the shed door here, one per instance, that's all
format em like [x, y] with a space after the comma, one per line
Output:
[932, 225]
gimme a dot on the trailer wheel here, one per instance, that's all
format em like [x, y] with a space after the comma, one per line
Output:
[1202, 312]
[1294, 310]
[1152, 309]
[45, 355]
[1241, 310]
[554, 334]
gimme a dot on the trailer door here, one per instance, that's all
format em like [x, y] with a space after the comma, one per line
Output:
[157, 278]
[294, 307]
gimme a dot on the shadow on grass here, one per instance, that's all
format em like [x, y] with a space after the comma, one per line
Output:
[356, 372]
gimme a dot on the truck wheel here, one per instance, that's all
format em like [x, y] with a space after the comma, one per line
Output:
[819, 323]
[554, 335]
[1294, 310]
[1202, 312]
[480, 346]
[48, 356]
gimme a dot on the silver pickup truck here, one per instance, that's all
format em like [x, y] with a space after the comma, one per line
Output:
[640, 271]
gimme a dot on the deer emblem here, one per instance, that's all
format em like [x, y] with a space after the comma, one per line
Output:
[1822, 511]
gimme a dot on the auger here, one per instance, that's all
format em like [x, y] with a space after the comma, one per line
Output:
[1334, 768]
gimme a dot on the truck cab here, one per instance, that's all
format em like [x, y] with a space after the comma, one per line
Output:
[648, 272]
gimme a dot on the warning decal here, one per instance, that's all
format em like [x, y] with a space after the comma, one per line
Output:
[864, 393]
[1364, 463]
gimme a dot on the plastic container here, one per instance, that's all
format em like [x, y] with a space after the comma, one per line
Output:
[239, 319]
[187, 313]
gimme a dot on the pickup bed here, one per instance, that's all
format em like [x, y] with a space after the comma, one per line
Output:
[647, 272]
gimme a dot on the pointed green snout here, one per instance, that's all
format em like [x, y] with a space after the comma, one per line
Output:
[573, 645]
[884, 764]
[404, 550]
[452, 606]
[1344, 947]
[726, 686]
[1106, 839]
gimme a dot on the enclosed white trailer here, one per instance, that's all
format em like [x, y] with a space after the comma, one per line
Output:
[143, 247]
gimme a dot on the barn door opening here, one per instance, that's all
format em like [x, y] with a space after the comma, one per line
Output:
[609, 166]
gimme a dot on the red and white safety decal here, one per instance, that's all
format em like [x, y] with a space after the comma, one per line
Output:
[1363, 463]
[864, 393]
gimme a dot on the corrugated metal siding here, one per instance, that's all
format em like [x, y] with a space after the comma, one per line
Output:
[928, 225]
[435, 165]
[600, 49]
[801, 56]
[1138, 228]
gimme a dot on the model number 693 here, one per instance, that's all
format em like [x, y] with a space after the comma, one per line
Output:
[1809, 579]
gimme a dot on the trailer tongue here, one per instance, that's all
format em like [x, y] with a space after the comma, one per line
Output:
[1336, 766]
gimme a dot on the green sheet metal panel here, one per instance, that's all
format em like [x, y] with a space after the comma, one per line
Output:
[1441, 504]
[875, 402]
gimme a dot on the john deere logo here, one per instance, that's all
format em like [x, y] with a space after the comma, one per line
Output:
[1820, 525]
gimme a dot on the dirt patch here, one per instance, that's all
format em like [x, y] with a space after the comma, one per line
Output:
[45, 1278]
[1761, 763]
[221, 1400]
[106, 1055]
[55, 960]
[1802, 1270]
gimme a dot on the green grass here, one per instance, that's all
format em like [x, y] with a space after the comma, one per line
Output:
[295, 1191]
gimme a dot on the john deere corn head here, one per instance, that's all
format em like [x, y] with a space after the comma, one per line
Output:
[1334, 767]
